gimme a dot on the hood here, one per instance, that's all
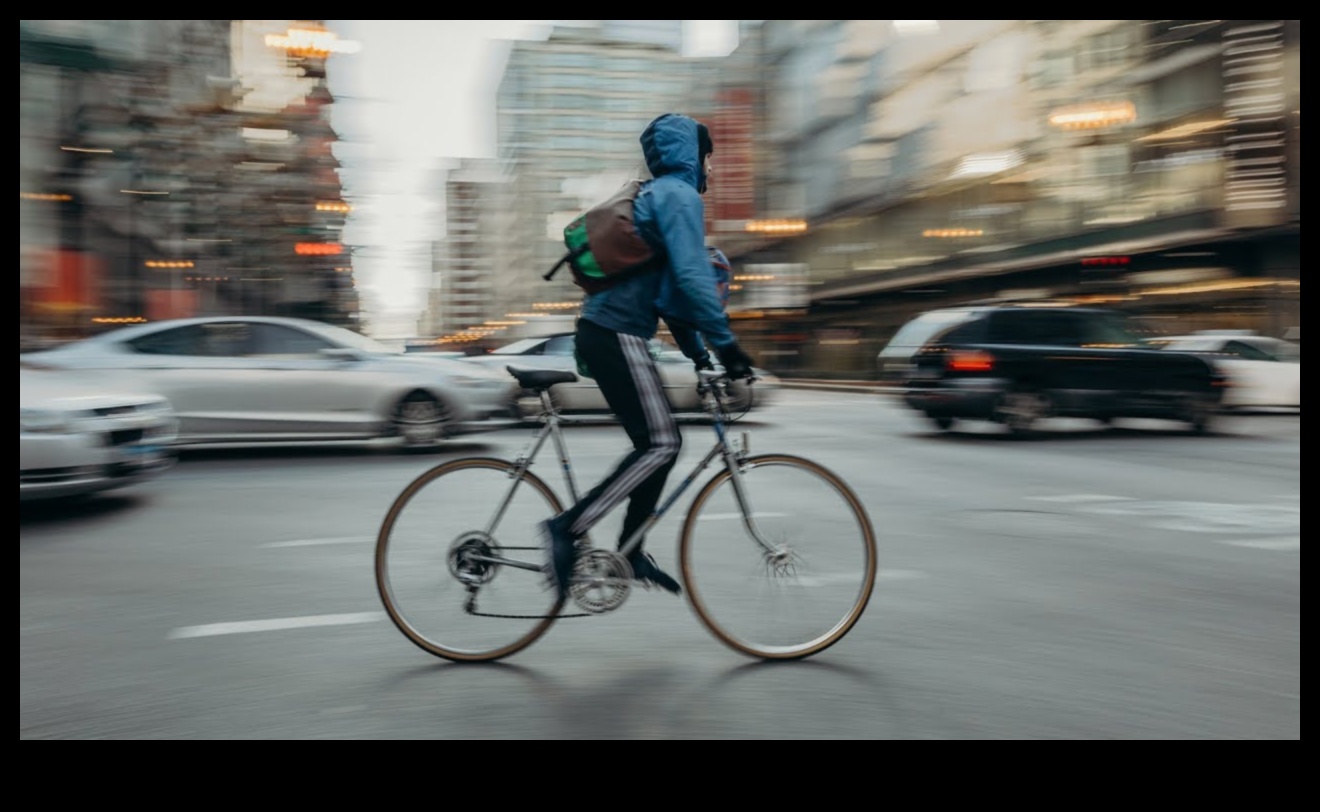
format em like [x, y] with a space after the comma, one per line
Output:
[77, 391]
[670, 145]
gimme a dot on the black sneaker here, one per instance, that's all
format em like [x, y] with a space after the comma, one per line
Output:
[560, 550]
[649, 573]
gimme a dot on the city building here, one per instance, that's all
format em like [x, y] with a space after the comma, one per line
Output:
[176, 167]
[462, 295]
[569, 113]
[1149, 164]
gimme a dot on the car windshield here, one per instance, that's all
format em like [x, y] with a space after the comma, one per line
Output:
[917, 332]
[517, 347]
[1115, 330]
[1194, 345]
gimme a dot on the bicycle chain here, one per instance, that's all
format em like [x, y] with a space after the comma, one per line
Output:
[524, 617]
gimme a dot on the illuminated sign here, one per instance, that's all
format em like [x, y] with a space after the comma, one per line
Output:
[322, 249]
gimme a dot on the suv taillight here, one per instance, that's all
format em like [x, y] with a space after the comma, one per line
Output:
[969, 361]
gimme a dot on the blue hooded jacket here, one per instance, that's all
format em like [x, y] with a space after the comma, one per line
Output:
[670, 215]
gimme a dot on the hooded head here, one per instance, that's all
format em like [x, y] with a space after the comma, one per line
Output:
[675, 144]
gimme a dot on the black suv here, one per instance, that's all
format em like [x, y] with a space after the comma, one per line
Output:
[1016, 364]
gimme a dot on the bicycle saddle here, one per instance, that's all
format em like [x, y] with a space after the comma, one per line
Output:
[537, 379]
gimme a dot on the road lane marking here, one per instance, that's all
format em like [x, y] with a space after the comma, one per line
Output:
[274, 624]
[317, 542]
[1078, 497]
[1283, 543]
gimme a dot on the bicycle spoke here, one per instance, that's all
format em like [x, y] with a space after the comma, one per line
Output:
[803, 593]
[451, 586]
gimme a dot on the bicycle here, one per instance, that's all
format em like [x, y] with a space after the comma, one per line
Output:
[437, 555]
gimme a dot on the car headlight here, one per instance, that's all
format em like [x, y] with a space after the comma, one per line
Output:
[43, 421]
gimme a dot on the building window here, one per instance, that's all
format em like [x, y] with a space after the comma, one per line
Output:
[1054, 69]
[1110, 49]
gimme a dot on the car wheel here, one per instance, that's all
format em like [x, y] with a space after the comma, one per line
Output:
[1021, 408]
[941, 422]
[421, 420]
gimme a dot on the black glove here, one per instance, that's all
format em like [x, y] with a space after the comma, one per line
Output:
[737, 364]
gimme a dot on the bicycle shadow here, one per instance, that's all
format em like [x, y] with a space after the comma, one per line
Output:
[812, 699]
[798, 699]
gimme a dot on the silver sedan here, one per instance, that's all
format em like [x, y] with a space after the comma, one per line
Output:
[677, 375]
[79, 435]
[266, 379]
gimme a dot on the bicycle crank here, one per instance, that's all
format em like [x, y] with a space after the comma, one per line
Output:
[601, 581]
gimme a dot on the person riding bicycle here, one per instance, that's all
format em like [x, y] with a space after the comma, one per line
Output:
[613, 335]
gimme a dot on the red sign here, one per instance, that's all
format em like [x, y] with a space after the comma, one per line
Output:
[69, 281]
[731, 195]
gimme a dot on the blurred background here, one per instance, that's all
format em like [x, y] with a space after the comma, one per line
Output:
[404, 184]
[866, 170]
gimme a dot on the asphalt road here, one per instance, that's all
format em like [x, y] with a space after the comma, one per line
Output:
[1134, 582]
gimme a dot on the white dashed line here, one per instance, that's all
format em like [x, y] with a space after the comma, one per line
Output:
[274, 624]
[1078, 497]
[318, 542]
[1282, 543]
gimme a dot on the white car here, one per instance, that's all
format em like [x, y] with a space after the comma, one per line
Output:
[1263, 372]
[249, 380]
[583, 396]
[80, 434]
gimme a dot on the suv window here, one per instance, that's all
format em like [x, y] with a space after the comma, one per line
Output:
[1055, 328]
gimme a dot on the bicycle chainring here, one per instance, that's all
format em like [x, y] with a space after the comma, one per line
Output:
[602, 581]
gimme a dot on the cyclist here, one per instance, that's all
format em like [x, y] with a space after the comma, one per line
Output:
[613, 335]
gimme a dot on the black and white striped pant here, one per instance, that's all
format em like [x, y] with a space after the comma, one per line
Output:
[628, 378]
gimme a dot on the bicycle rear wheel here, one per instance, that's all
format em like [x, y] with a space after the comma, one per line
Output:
[804, 584]
[458, 565]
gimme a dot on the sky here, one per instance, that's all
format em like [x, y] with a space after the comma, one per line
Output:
[416, 96]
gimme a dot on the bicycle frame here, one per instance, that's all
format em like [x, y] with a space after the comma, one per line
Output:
[711, 386]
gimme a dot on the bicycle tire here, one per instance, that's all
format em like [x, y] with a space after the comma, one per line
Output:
[441, 562]
[710, 569]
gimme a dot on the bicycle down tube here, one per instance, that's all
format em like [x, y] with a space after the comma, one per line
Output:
[551, 429]
[731, 461]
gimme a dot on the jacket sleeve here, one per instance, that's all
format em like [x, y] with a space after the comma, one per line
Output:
[681, 220]
[688, 339]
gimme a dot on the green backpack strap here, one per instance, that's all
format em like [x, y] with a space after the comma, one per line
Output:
[567, 258]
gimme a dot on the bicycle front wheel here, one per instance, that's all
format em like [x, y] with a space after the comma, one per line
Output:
[458, 565]
[779, 562]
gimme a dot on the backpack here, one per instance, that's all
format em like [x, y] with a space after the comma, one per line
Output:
[722, 271]
[603, 243]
